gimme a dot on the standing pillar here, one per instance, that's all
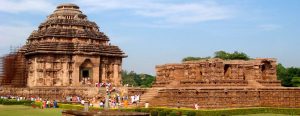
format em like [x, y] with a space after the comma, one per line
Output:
[116, 79]
[75, 75]
[65, 73]
[35, 72]
[103, 76]
[96, 73]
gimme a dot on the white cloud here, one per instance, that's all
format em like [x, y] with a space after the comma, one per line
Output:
[159, 12]
[163, 12]
[17, 6]
[269, 27]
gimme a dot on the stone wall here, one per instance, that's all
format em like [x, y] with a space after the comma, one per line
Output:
[54, 93]
[217, 72]
[228, 97]
[66, 70]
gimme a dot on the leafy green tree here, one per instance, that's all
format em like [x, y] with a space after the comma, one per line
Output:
[281, 71]
[231, 56]
[147, 80]
[137, 80]
[190, 58]
[290, 77]
[221, 54]
[128, 78]
[295, 81]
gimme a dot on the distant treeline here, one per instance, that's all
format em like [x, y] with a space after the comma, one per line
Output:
[222, 55]
[137, 80]
[290, 77]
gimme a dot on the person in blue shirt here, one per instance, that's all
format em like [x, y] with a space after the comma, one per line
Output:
[54, 104]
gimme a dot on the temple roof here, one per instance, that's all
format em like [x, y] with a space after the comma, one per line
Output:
[68, 31]
[68, 20]
[73, 48]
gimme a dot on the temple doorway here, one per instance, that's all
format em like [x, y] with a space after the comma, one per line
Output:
[266, 66]
[86, 75]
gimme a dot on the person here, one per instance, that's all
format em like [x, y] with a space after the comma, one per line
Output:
[101, 104]
[125, 103]
[54, 104]
[132, 99]
[82, 102]
[146, 104]
[196, 106]
[44, 104]
[48, 104]
[178, 104]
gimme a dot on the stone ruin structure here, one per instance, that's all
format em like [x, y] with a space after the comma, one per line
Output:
[217, 72]
[217, 83]
[66, 54]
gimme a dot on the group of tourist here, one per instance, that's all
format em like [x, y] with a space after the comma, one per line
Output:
[86, 81]
[49, 104]
[135, 99]
[103, 84]
[73, 99]
[46, 103]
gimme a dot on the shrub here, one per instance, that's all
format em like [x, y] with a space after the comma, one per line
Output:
[15, 102]
[154, 113]
[162, 113]
[70, 106]
[191, 113]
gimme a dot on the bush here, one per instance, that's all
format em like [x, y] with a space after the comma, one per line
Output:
[162, 113]
[70, 106]
[15, 102]
[191, 113]
[154, 113]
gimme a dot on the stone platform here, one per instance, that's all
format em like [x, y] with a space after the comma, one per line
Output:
[221, 97]
[57, 93]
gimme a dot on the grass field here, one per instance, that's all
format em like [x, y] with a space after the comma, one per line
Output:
[266, 115]
[20, 110]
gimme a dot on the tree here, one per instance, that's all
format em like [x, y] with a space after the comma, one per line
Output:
[190, 58]
[231, 56]
[295, 81]
[221, 54]
[281, 71]
[290, 77]
[146, 80]
[128, 78]
[137, 80]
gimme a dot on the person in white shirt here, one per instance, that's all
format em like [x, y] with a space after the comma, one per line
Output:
[82, 102]
[196, 106]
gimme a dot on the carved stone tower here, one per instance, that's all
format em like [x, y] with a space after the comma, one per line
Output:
[69, 50]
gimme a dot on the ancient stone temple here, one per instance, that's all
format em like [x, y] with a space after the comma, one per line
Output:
[66, 55]
[217, 72]
[69, 50]
[217, 83]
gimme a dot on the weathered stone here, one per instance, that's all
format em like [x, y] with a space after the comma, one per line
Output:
[215, 83]
[217, 72]
[67, 50]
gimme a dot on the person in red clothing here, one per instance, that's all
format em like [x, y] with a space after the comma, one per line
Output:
[44, 105]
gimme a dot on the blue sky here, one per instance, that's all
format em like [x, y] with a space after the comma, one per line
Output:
[153, 32]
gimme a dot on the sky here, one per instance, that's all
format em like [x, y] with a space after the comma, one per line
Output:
[155, 32]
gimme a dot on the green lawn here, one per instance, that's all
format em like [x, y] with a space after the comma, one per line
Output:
[266, 115]
[20, 110]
